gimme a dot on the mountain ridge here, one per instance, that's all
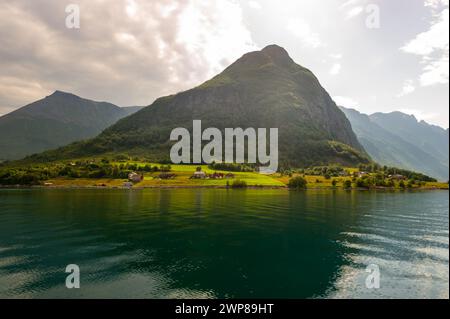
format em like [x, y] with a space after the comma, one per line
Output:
[261, 89]
[384, 143]
[56, 120]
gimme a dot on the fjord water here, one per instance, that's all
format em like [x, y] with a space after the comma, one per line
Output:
[201, 243]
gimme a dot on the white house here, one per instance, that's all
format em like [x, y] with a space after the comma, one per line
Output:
[135, 177]
[199, 175]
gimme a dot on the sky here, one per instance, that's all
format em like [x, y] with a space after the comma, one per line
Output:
[371, 55]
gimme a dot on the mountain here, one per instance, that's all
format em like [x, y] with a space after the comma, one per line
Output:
[429, 138]
[131, 109]
[54, 121]
[263, 89]
[399, 140]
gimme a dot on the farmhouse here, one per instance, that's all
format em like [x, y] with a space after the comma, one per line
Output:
[135, 177]
[361, 174]
[217, 176]
[398, 177]
[199, 175]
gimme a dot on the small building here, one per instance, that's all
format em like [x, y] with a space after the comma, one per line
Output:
[135, 177]
[343, 173]
[128, 184]
[361, 174]
[199, 175]
[216, 176]
[229, 176]
[398, 177]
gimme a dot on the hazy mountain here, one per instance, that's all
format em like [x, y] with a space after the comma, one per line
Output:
[429, 138]
[54, 121]
[397, 139]
[132, 109]
[263, 89]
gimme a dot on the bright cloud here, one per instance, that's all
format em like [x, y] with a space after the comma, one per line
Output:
[345, 101]
[433, 46]
[336, 69]
[436, 3]
[254, 5]
[302, 30]
[126, 50]
[408, 88]
[214, 35]
[336, 56]
[420, 115]
[350, 3]
[436, 72]
[436, 38]
[354, 12]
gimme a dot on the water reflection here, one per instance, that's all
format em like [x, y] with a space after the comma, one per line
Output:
[203, 243]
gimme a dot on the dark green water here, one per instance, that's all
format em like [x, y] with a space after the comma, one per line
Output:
[223, 244]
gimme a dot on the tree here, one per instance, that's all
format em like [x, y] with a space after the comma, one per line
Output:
[348, 184]
[239, 184]
[297, 183]
[363, 183]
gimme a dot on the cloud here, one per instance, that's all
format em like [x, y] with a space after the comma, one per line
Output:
[254, 5]
[433, 46]
[408, 88]
[420, 115]
[336, 69]
[354, 12]
[435, 72]
[436, 3]
[126, 52]
[302, 30]
[350, 3]
[436, 38]
[214, 33]
[336, 56]
[345, 101]
[352, 8]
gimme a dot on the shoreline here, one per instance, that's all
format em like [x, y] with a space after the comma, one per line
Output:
[69, 187]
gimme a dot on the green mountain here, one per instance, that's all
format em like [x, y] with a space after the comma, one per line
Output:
[263, 89]
[54, 121]
[399, 140]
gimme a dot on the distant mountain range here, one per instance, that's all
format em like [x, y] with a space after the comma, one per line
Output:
[397, 139]
[263, 89]
[55, 121]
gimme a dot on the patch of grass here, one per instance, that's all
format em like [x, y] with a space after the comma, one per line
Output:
[83, 182]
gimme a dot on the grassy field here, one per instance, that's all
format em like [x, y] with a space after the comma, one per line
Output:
[182, 179]
[183, 175]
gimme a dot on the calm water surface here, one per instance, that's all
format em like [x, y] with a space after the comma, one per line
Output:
[223, 244]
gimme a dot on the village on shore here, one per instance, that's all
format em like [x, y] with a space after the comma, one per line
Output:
[125, 173]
